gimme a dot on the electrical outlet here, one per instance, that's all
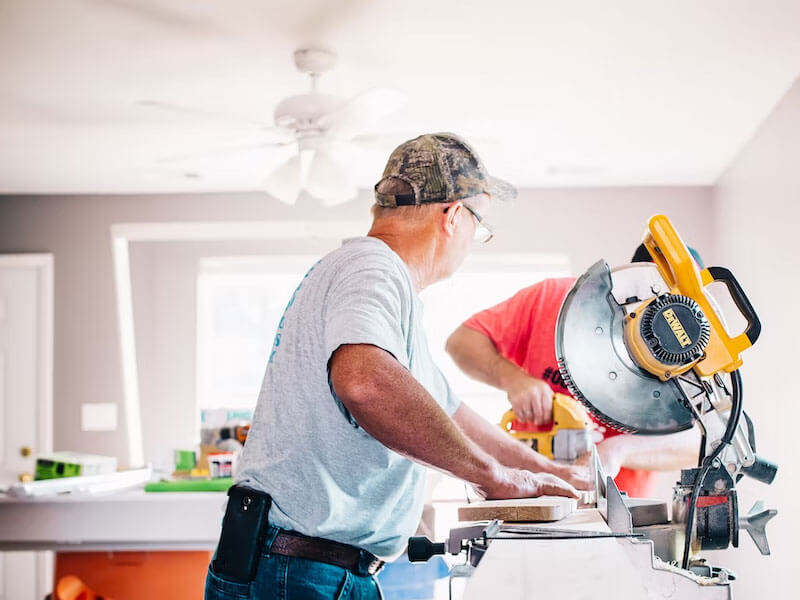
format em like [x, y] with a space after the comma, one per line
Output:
[98, 416]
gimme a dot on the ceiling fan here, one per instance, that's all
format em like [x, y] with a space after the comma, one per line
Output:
[315, 122]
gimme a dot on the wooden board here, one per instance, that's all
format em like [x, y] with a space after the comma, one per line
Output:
[544, 508]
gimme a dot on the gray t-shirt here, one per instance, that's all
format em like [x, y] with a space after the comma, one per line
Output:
[327, 476]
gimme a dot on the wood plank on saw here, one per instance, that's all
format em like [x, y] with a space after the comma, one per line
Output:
[544, 508]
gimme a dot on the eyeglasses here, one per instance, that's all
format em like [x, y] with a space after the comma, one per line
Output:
[483, 231]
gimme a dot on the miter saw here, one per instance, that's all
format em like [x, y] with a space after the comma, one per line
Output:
[644, 347]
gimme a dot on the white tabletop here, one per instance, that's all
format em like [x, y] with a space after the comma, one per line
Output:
[132, 520]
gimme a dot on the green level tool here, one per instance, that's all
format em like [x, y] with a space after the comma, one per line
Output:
[190, 485]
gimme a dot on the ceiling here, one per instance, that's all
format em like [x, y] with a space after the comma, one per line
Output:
[568, 93]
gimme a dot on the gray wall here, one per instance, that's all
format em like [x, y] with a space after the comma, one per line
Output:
[757, 203]
[77, 231]
[585, 224]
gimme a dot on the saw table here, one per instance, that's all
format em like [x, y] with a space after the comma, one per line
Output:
[580, 568]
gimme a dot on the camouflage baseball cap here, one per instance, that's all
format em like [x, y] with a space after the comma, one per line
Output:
[439, 167]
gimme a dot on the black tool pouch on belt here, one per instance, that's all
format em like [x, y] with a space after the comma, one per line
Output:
[243, 531]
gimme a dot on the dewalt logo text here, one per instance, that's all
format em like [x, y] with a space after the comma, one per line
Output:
[675, 324]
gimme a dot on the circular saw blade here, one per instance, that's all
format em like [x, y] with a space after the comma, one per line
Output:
[597, 368]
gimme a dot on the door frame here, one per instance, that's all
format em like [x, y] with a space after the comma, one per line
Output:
[42, 264]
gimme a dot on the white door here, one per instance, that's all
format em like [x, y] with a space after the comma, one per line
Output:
[26, 390]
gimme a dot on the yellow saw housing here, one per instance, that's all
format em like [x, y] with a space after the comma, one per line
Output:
[674, 332]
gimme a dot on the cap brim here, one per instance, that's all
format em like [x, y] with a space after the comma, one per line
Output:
[501, 190]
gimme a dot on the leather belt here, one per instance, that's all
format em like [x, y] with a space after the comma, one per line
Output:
[348, 557]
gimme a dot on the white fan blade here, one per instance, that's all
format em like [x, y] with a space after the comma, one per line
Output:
[284, 183]
[208, 114]
[328, 181]
[362, 111]
[222, 150]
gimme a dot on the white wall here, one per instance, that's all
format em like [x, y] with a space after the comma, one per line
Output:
[757, 206]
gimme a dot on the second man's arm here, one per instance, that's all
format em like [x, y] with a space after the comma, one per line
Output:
[477, 356]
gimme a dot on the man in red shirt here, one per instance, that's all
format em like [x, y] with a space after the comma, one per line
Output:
[511, 346]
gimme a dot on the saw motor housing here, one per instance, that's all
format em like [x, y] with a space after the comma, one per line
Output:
[668, 336]
[680, 330]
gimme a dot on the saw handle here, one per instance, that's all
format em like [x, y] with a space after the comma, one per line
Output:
[671, 257]
[421, 549]
[741, 300]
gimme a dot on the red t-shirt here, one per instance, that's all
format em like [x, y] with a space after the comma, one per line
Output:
[523, 330]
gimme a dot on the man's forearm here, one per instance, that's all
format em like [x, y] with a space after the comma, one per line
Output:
[663, 452]
[507, 450]
[393, 407]
[658, 452]
[477, 356]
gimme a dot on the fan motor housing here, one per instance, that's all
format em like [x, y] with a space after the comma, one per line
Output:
[668, 335]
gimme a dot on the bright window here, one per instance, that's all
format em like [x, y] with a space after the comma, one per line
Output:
[239, 303]
[241, 300]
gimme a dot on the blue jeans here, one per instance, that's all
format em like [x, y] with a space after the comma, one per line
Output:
[289, 578]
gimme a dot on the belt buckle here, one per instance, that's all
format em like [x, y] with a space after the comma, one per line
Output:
[373, 563]
[375, 566]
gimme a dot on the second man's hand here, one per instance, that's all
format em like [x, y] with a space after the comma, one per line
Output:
[531, 399]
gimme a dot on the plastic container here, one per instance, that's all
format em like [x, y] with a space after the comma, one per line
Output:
[403, 580]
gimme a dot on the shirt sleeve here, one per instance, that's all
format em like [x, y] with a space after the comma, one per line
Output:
[508, 324]
[369, 304]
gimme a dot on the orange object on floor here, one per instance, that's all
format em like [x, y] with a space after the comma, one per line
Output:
[70, 587]
[136, 575]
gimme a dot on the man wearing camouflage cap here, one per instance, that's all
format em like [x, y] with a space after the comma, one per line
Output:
[352, 405]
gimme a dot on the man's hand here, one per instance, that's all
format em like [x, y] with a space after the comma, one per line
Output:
[519, 483]
[531, 399]
[612, 455]
[579, 476]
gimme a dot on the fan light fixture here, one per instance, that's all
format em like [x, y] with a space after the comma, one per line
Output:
[314, 169]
